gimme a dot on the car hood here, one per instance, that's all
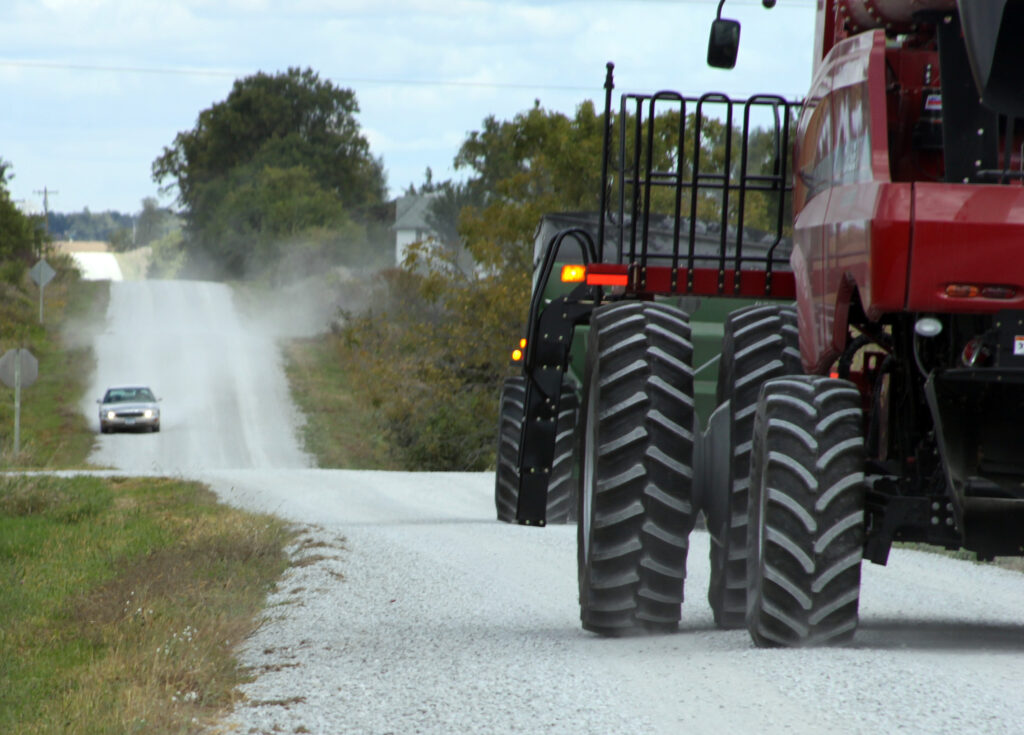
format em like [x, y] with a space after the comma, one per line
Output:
[128, 406]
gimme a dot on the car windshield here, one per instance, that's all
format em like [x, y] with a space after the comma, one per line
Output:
[119, 395]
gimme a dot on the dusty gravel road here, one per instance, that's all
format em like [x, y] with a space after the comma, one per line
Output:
[427, 616]
[224, 397]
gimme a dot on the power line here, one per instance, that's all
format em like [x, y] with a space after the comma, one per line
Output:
[187, 71]
[235, 74]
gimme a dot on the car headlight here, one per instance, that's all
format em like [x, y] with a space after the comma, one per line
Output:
[111, 414]
[148, 413]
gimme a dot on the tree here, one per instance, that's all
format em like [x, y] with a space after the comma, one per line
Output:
[268, 211]
[21, 236]
[536, 163]
[153, 222]
[86, 225]
[291, 121]
[431, 353]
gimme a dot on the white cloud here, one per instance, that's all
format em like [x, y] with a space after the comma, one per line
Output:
[498, 55]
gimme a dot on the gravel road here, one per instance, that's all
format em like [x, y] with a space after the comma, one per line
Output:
[416, 612]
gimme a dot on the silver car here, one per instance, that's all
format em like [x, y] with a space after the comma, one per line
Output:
[129, 407]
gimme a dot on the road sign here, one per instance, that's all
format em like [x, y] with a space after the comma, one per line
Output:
[18, 368]
[10, 363]
[42, 273]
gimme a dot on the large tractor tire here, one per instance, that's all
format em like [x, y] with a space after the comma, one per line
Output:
[561, 504]
[806, 531]
[760, 343]
[562, 501]
[511, 410]
[636, 451]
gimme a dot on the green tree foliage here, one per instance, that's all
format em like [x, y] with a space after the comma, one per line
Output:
[122, 231]
[538, 162]
[22, 237]
[281, 156]
[86, 225]
[431, 353]
[167, 257]
[154, 222]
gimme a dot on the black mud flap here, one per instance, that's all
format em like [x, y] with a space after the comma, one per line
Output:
[978, 415]
[547, 364]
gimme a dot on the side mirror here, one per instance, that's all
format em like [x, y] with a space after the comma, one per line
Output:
[724, 43]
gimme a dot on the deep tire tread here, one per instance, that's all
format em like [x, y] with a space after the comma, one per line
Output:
[511, 409]
[640, 386]
[761, 342]
[806, 532]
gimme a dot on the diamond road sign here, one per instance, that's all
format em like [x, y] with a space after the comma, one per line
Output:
[42, 273]
[9, 366]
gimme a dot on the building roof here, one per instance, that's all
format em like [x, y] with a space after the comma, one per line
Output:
[411, 212]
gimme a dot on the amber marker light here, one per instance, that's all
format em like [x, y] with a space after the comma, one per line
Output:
[962, 291]
[972, 291]
[573, 273]
[517, 354]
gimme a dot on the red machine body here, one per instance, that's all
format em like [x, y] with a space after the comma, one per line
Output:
[898, 229]
[876, 225]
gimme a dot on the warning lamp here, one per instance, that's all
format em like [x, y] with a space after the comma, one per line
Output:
[975, 353]
[517, 354]
[972, 291]
[573, 273]
[962, 291]
[608, 279]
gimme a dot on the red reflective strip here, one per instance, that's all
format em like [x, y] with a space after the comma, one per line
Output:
[607, 279]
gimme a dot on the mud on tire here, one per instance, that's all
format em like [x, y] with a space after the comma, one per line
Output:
[806, 530]
[636, 448]
[760, 343]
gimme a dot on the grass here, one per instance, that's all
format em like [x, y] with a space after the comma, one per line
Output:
[341, 430]
[53, 431]
[121, 601]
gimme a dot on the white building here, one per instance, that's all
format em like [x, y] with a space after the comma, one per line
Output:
[411, 223]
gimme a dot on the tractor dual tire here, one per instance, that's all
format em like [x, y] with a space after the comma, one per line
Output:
[511, 410]
[636, 445]
[760, 342]
[561, 502]
[806, 530]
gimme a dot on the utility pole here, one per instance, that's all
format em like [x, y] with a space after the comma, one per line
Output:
[46, 209]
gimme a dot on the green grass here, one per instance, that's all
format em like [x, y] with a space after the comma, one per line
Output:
[53, 431]
[121, 601]
[341, 429]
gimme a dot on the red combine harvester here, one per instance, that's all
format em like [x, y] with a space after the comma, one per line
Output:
[885, 405]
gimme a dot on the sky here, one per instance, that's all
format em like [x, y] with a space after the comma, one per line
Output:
[92, 91]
